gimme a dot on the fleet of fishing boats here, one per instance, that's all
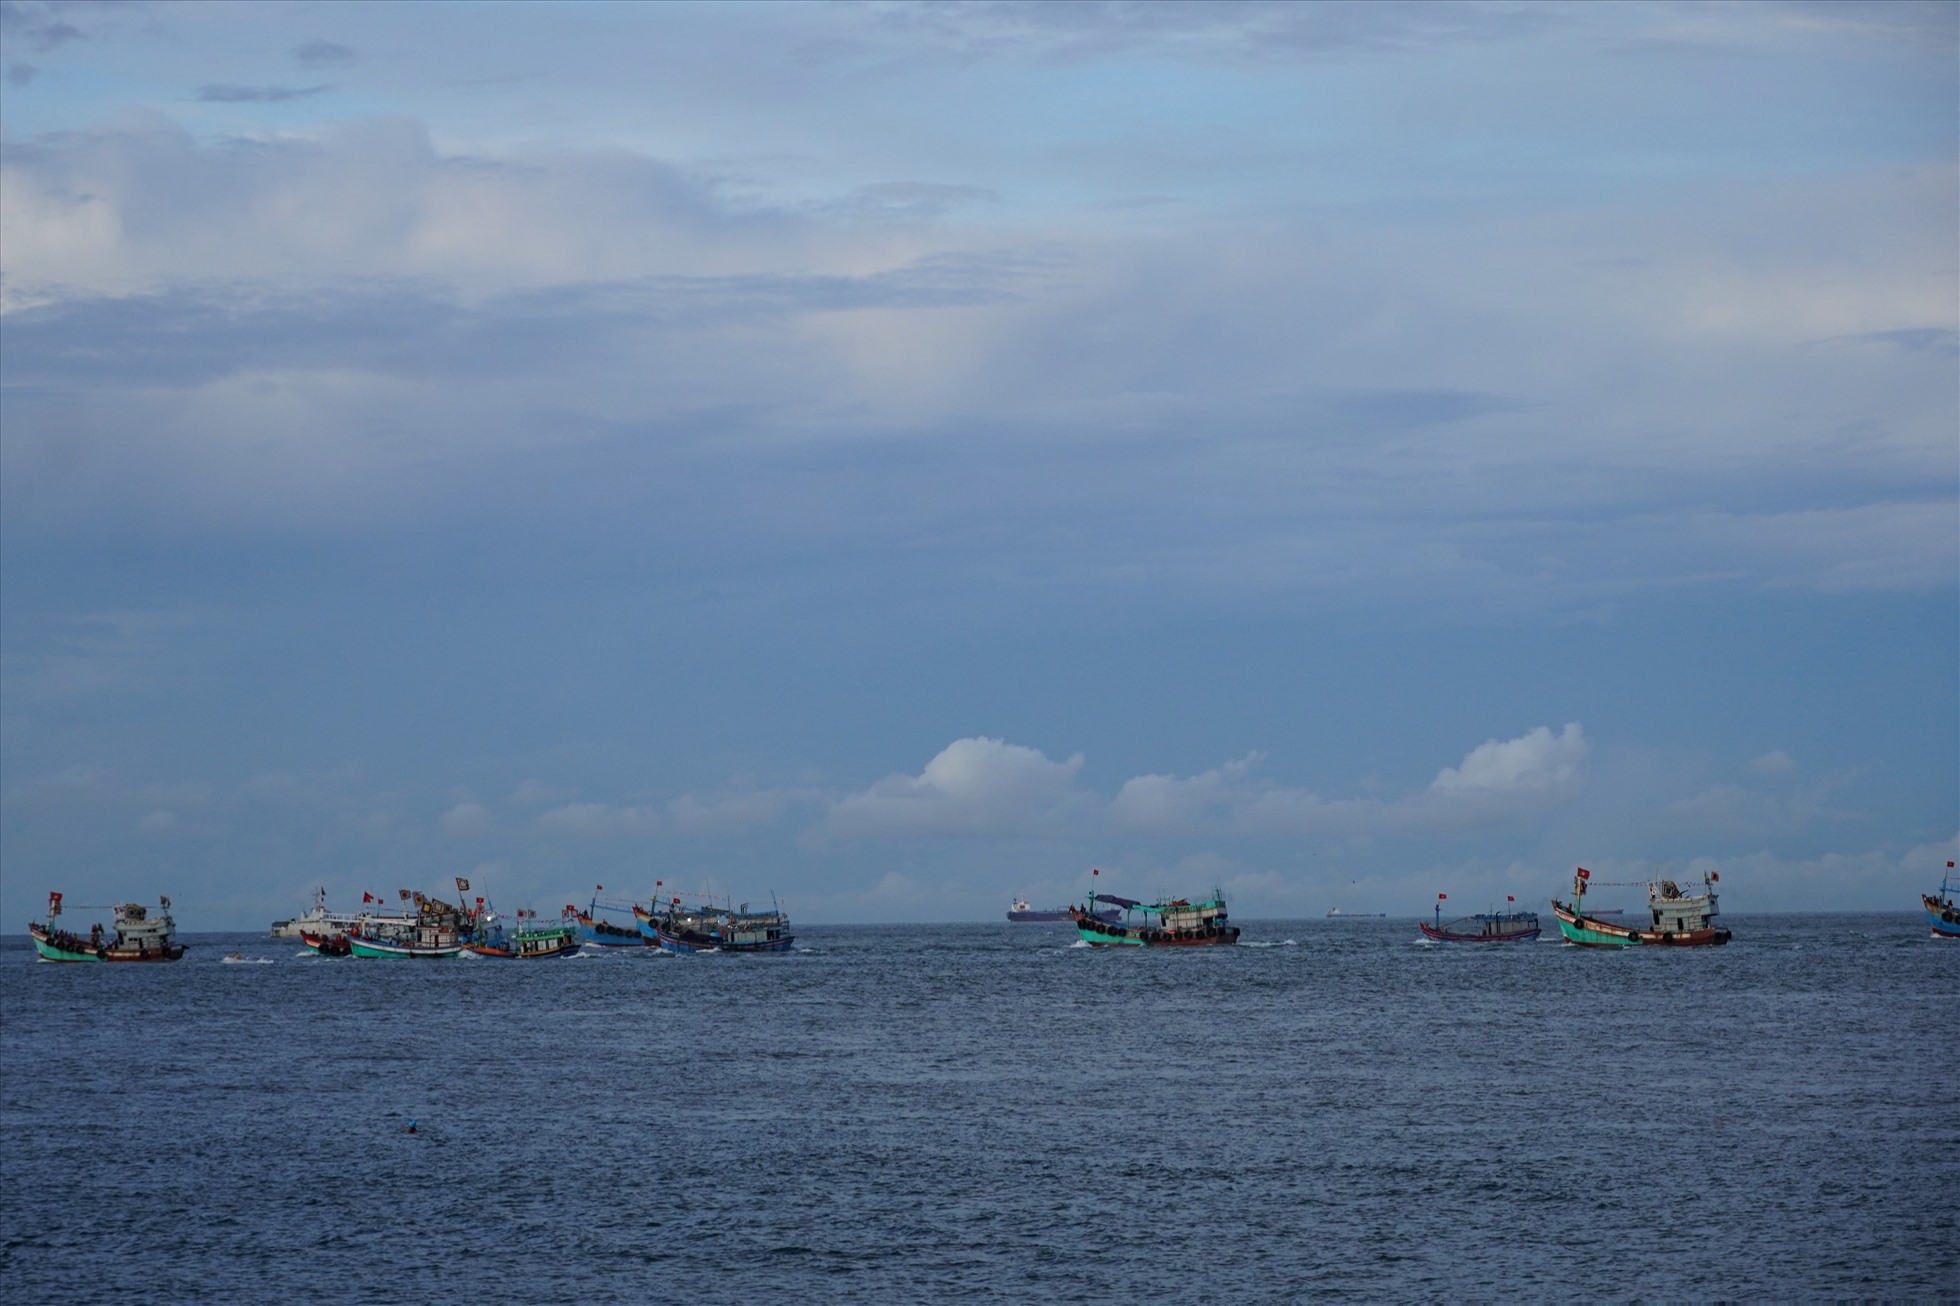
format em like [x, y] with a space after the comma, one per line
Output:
[427, 928]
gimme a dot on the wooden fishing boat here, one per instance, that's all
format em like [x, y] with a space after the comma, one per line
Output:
[138, 934]
[1678, 920]
[439, 932]
[594, 928]
[327, 945]
[532, 942]
[705, 927]
[1942, 912]
[1176, 923]
[1508, 926]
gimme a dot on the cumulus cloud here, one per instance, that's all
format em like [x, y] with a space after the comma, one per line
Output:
[466, 819]
[1499, 781]
[976, 786]
[1775, 762]
[1164, 804]
[726, 814]
[593, 819]
[535, 793]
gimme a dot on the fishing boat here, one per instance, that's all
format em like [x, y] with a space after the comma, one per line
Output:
[1507, 926]
[532, 942]
[1942, 912]
[138, 934]
[596, 929]
[1679, 920]
[327, 945]
[1336, 914]
[706, 927]
[438, 932]
[1024, 913]
[1176, 923]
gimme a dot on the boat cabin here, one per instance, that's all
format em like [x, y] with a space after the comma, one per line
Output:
[1677, 913]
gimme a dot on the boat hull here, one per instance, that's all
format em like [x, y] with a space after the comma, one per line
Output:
[1099, 933]
[601, 934]
[369, 949]
[565, 949]
[326, 945]
[1591, 932]
[1942, 919]
[690, 943]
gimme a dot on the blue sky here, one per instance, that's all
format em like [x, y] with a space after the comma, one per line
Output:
[902, 456]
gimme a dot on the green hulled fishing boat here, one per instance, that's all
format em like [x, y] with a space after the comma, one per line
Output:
[1175, 923]
[1677, 919]
[139, 934]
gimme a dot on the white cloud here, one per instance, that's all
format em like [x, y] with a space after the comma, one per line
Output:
[1776, 762]
[466, 819]
[1496, 782]
[974, 786]
[1163, 804]
[599, 819]
[724, 815]
[536, 793]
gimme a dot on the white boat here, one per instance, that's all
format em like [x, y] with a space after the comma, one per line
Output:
[1335, 913]
[320, 921]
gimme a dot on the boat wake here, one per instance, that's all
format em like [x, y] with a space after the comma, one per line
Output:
[246, 961]
[1283, 943]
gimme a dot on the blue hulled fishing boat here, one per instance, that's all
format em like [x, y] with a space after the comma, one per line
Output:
[609, 923]
[706, 927]
[1942, 913]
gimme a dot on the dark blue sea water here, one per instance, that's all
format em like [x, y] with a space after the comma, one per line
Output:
[983, 1112]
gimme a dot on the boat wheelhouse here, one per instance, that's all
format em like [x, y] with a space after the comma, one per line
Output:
[1942, 912]
[138, 933]
[1175, 923]
[1507, 926]
[1677, 919]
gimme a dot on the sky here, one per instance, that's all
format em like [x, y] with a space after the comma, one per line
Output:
[898, 457]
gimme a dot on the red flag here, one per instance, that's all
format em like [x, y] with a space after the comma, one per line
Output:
[571, 909]
[1509, 898]
[598, 888]
[367, 897]
[1442, 897]
[1584, 874]
[1094, 871]
[658, 883]
[677, 902]
[403, 893]
[1949, 866]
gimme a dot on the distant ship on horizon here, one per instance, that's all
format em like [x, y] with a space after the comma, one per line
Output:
[1336, 912]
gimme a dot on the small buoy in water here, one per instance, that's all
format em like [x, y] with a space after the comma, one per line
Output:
[410, 1129]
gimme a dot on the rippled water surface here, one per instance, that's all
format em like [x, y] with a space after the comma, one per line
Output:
[985, 1112]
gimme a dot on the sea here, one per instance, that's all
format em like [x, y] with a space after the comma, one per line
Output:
[1333, 1110]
